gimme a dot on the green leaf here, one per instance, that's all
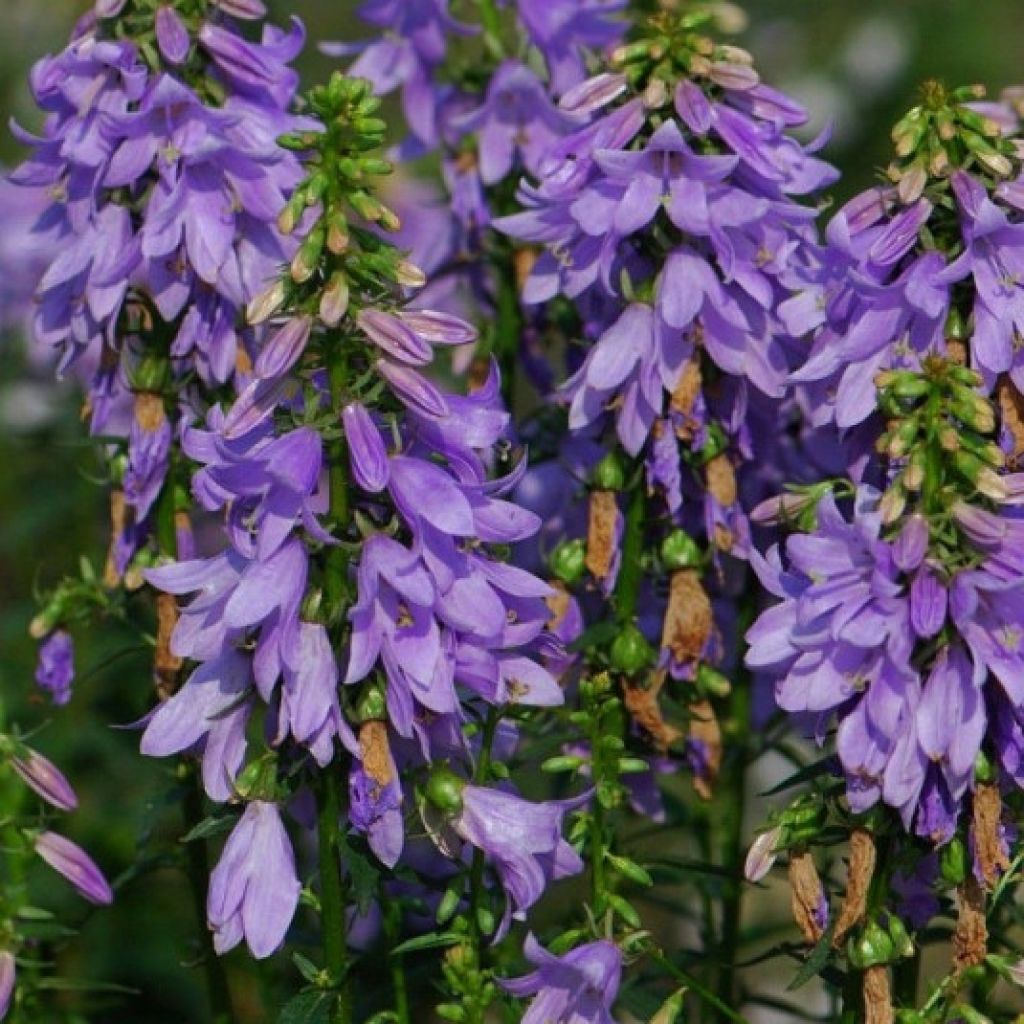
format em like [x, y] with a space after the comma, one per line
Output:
[214, 825]
[308, 1008]
[364, 879]
[624, 909]
[432, 940]
[306, 967]
[630, 869]
[810, 772]
[816, 962]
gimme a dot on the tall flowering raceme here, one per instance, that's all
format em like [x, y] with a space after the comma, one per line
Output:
[359, 609]
[673, 220]
[899, 611]
[483, 92]
[159, 158]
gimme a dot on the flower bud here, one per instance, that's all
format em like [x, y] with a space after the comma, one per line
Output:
[680, 551]
[266, 304]
[45, 778]
[953, 861]
[334, 301]
[631, 653]
[872, 948]
[762, 856]
[609, 474]
[282, 351]
[367, 455]
[568, 561]
[594, 93]
[444, 790]
[171, 35]
[71, 861]
[8, 970]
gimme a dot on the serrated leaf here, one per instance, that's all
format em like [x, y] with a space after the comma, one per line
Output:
[214, 825]
[815, 963]
[308, 1008]
[432, 940]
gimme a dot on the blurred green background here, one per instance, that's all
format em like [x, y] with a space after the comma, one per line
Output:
[856, 64]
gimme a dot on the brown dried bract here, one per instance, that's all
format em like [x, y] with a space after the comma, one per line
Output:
[956, 350]
[877, 996]
[642, 704]
[862, 869]
[684, 398]
[149, 411]
[1011, 408]
[118, 521]
[166, 665]
[373, 742]
[721, 478]
[243, 362]
[705, 730]
[988, 845]
[970, 940]
[523, 261]
[688, 618]
[807, 895]
[559, 602]
[604, 514]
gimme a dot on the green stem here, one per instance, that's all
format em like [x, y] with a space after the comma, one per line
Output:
[198, 869]
[197, 855]
[704, 994]
[906, 976]
[332, 897]
[733, 791]
[399, 987]
[627, 589]
[490, 19]
[509, 328]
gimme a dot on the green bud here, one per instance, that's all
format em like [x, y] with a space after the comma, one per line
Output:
[563, 763]
[448, 905]
[984, 771]
[631, 653]
[873, 947]
[444, 790]
[680, 551]
[903, 944]
[629, 869]
[971, 1016]
[610, 473]
[152, 373]
[672, 1009]
[372, 706]
[568, 561]
[712, 682]
[306, 259]
[452, 1012]
[953, 861]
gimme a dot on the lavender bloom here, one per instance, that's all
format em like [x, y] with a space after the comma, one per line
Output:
[366, 451]
[171, 36]
[8, 970]
[577, 988]
[522, 840]
[55, 670]
[71, 861]
[565, 29]
[516, 119]
[46, 779]
[254, 889]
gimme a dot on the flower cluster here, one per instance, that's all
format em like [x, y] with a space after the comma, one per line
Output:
[358, 506]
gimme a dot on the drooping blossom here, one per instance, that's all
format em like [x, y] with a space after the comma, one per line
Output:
[71, 861]
[55, 670]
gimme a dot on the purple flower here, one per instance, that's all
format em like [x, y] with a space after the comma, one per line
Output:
[172, 35]
[523, 841]
[71, 861]
[208, 715]
[45, 778]
[8, 969]
[367, 454]
[55, 670]
[516, 120]
[577, 988]
[254, 890]
[564, 29]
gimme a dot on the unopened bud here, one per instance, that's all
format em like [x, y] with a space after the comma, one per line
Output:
[334, 301]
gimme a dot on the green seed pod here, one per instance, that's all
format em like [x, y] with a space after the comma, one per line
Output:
[680, 551]
[568, 561]
[903, 944]
[609, 473]
[631, 653]
[953, 861]
[444, 790]
[873, 947]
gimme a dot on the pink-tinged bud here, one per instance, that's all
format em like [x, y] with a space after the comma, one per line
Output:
[733, 76]
[335, 299]
[172, 36]
[439, 328]
[249, 10]
[7, 975]
[394, 338]
[983, 527]
[109, 8]
[266, 304]
[694, 107]
[1016, 973]
[71, 861]
[413, 390]
[783, 508]
[284, 349]
[762, 856]
[1014, 484]
[367, 454]
[258, 401]
[46, 779]
[594, 93]
[409, 275]
[912, 544]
